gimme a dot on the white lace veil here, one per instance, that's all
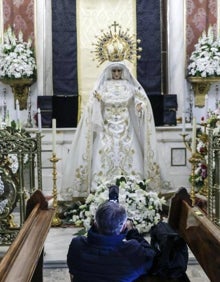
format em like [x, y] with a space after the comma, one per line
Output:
[126, 75]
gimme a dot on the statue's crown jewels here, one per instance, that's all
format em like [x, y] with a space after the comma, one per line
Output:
[116, 45]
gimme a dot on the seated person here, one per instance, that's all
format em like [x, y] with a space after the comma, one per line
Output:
[113, 251]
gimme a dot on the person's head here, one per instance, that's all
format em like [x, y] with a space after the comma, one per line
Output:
[116, 73]
[110, 218]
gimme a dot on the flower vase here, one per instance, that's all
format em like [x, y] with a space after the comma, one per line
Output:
[20, 88]
[201, 86]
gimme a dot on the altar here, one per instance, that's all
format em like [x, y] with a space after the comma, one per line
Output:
[172, 156]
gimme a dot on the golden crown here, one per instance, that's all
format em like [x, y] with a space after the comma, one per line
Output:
[116, 45]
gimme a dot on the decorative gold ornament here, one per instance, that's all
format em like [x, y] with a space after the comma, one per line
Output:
[116, 45]
[20, 87]
[201, 86]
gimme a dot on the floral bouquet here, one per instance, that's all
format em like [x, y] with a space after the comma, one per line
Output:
[213, 118]
[17, 59]
[201, 173]
[142, 206]
[205, 59]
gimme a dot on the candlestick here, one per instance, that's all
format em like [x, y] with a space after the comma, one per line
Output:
[39, 121]
[54, 135]
[56, 220]
[194, 136]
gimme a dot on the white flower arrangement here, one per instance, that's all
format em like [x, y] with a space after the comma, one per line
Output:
[200, 174]
[3, 205]
[17, 59]
[205, 59]
[213, 118]
[142, 206]
[201, 167]
[3, 202]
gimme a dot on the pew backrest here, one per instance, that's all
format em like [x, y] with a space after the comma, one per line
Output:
[21, 259]
[200, 233]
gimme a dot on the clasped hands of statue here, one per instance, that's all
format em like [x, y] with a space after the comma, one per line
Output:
[138, 106]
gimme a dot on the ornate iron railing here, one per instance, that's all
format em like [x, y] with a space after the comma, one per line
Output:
[20, 168]
[214, 175]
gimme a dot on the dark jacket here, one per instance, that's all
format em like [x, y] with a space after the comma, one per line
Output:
[101, 258]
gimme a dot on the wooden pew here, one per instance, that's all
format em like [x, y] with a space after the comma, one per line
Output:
[201, 235]
[23, 260]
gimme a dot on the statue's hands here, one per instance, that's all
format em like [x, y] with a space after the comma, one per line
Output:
[97, 96]
[139, 107]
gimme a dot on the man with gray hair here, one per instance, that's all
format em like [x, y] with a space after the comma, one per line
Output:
[113, 251]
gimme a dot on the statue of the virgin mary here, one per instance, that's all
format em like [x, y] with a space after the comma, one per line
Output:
[116, 133]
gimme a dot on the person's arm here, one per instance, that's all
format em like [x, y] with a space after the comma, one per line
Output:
[142, 248]
[133, 233]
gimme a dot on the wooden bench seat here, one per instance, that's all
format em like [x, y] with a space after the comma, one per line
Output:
[23, 261]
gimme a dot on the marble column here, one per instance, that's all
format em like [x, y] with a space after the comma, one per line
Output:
[176, 52]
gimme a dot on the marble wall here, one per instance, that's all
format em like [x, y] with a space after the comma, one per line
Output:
[179, 48]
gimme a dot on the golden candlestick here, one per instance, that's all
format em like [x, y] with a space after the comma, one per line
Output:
[187, 143]
[194, 160]
[56, 220]
[204, 189]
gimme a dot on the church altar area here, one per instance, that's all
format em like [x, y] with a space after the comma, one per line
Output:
[172, 157]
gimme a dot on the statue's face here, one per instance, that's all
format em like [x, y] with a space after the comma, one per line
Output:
[116, 73]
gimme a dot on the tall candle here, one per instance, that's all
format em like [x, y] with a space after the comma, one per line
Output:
[4, 107]
[183, 123]
[54, 135]
[7, 118]
[194, 136]
[206, 107]
[39, 121]
[1, 110]
[17, 107]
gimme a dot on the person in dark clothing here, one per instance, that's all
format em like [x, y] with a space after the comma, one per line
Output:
[113, 251]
